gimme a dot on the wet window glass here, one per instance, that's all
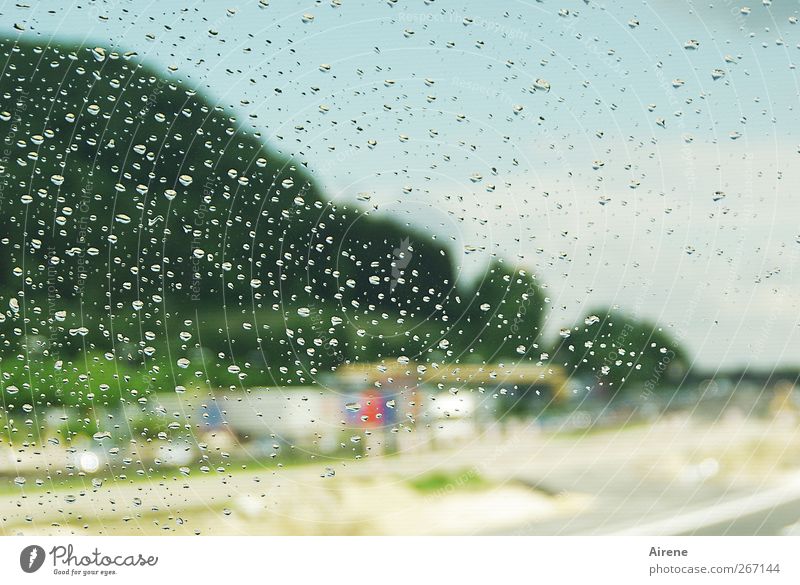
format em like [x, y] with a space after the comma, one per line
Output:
[398, 267]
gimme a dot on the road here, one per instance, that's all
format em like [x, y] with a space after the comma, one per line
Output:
[727, 478]
[677, 476]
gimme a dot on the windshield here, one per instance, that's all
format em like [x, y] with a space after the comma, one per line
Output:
[384, 268]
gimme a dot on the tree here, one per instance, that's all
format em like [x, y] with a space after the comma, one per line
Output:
[617, 353]
[501, 315]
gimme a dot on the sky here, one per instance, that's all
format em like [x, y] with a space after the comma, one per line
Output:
[635, 154]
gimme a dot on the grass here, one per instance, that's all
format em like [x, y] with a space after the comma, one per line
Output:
[442, 482]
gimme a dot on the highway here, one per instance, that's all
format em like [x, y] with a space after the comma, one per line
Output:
[674, 477]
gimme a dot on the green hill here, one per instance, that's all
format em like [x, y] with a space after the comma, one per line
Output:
[154, 240]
